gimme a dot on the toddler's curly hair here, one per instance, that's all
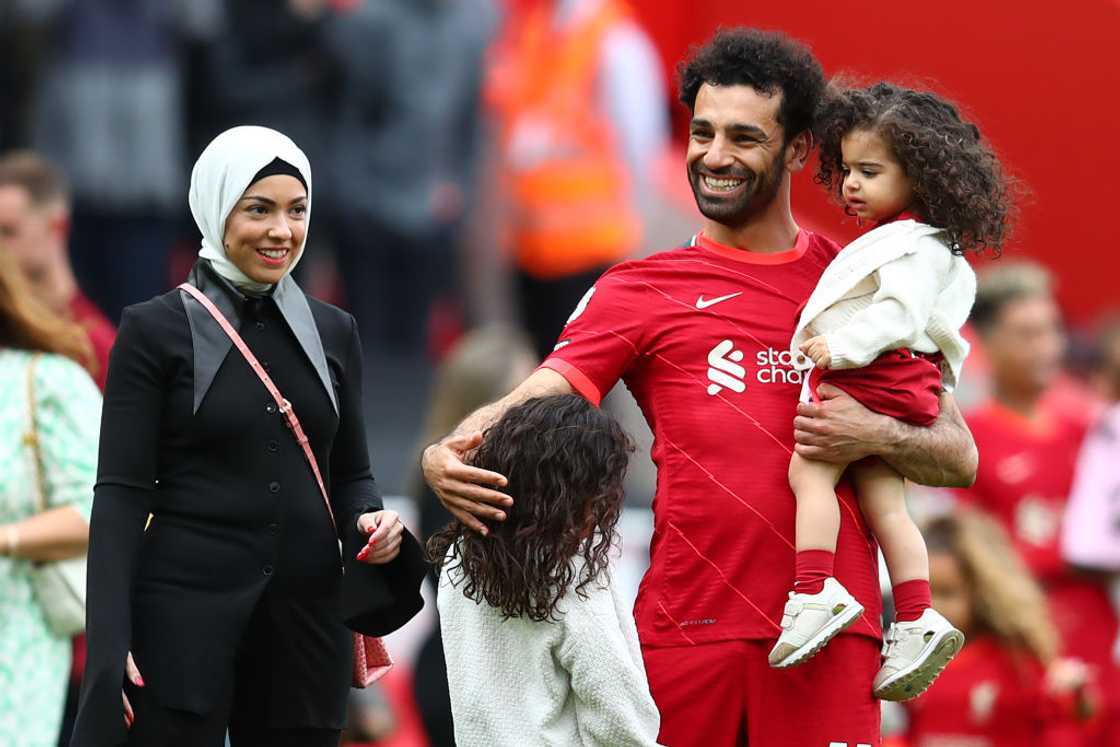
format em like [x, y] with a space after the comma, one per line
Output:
[958, 183]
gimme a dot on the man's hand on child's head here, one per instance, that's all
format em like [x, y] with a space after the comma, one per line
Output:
[817, 349]
[464, 490]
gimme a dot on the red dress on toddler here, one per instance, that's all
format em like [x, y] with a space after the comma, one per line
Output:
[902, 384]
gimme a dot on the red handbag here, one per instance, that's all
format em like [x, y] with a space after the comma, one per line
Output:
[371, 658]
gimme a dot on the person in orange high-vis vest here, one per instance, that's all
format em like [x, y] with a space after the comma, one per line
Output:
[571, 210]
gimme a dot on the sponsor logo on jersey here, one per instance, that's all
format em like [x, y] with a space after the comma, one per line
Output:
[724, 370]
[776, 367]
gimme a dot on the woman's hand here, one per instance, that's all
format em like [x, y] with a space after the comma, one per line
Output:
[817, 349]
[385, 532]
[461, 488]
[133, 674]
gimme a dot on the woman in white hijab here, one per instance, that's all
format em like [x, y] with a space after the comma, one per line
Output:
[231, 607]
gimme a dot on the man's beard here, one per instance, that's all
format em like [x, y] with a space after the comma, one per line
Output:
[756, 194]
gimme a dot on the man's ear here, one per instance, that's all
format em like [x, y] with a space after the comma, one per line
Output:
[798, 150]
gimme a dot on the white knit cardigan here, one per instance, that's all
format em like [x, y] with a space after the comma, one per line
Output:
[896, 286]
[576, 682]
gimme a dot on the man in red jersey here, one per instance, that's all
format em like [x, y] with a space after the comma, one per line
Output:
[34, 228]
[700, 336]
[1028, 452]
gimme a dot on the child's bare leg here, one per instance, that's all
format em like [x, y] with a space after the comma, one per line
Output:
[818, 513]
[821, 607]
[920, 642]
[882, 497]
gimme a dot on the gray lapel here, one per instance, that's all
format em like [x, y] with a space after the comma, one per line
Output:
[293, 305]
[212, 345]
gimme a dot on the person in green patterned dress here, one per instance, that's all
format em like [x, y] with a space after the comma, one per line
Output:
[46, 355]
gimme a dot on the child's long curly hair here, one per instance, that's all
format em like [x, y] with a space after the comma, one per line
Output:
[565, 461]
[1007, 601]
[958, 183]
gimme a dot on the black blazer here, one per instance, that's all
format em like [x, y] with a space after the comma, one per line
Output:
[190, 435]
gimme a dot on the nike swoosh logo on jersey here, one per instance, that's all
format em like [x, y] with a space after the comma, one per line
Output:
[703, 303]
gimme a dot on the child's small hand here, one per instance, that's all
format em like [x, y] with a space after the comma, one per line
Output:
[817, 349]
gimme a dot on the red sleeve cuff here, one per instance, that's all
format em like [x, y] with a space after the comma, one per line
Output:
[578, 379]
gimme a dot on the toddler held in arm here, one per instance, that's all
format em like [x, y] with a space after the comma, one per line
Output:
[883, 326]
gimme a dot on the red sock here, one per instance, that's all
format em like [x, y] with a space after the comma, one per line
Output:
[813, 567]
[911, 599]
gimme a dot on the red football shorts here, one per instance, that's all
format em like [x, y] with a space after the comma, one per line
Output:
[726, 695]
[904, 385]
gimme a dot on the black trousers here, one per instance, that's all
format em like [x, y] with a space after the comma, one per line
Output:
[157, 726]
[545, 305]
[244, 711]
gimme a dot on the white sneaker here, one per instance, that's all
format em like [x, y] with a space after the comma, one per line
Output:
[811, 620]
[915, 653]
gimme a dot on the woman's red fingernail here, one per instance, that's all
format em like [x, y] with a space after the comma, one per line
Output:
[362, 554]
[139, 681]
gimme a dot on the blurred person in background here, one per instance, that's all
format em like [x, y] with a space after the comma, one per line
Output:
[1007, 687]
[109, 112]
[20, 52]
[485, 364]
[581, 113]
[1028, 451]
[1106, 376]
[49, 410]
[35, 230]
[401, 152]
[1091, 533]
[369, 717]
[269, 51]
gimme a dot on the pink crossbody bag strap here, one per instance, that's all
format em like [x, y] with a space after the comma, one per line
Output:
[284, 405]
[371, 659]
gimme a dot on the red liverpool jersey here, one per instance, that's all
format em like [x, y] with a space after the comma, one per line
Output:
[1024, 480]
[990, 696]
[701, 335]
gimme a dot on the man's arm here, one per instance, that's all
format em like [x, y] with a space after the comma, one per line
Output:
[841, 430]
[462, 488]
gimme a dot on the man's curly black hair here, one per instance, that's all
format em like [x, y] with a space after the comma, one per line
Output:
[767, 61]
[565, 461]
[958, 183]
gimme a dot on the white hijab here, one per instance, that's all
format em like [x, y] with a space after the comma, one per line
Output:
[220, 177]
